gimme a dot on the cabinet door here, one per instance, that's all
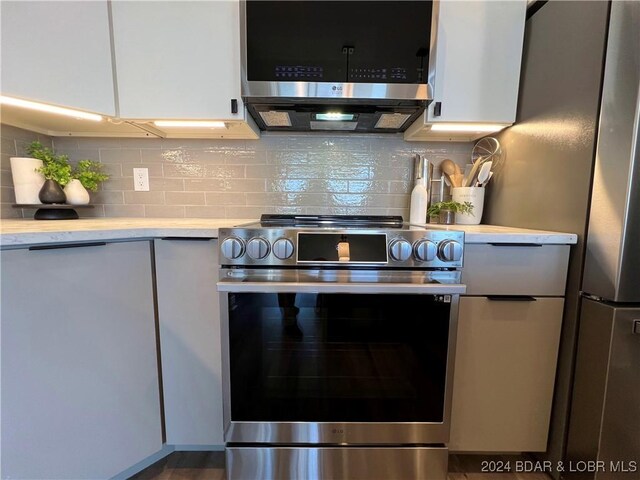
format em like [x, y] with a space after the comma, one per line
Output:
[58, 53]
[80, 394]
[478, 56]
[187, 273]
[177, 59]
[504, 374]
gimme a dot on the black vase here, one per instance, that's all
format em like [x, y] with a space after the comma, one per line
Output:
[51, 192]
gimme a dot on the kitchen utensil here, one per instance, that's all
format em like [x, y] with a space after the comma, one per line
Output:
[468, 181]
[457, 179]
[483, 174]
[450, 167]
[447, 179]
[453, 171]
[486, 149]
[485, 183]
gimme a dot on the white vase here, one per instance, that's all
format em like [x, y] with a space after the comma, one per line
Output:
[26, 181]
[474, 195]
[76, 193]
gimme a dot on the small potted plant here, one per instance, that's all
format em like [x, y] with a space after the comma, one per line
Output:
[56, 171]
[87, 175]
[446, 211]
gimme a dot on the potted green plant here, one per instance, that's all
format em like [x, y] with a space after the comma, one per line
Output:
[55, 169]
[86, 175]
[445, 211]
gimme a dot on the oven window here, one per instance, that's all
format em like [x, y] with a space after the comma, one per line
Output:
[337, 358]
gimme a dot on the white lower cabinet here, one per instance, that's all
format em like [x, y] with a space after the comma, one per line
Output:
[188, 309]
[80, 393]
[505, 369]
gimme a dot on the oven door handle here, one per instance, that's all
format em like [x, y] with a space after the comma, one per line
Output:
[329, 287]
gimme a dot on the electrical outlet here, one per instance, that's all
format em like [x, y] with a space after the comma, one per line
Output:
[141, 179]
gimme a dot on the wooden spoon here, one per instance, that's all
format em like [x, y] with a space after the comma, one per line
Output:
[453, 172]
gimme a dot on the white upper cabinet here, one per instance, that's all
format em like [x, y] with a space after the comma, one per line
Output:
[58, 53]
[177, 59]
[476, 69]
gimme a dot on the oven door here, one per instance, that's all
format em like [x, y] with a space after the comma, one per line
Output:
[338, 356]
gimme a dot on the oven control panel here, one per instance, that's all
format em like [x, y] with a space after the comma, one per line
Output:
[392, 248]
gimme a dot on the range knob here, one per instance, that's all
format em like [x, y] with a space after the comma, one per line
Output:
[257, 248]
[283, 248]
[232, 247]
[450, 251]
[425, 250]
[400, 250]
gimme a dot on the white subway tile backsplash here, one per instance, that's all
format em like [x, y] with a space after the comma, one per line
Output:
[5, 161]
[120, 155]
[8, 146]
[6, 195]
[124, 210]
[166, 184]
[225, 185]
[284, 173]
[144, 198]
[5, 178]
[368, 186]
[209, 211]
[107, 197]
[118, 183]
[184, 198]
[76, 155]
[164, 211]
[225, 198]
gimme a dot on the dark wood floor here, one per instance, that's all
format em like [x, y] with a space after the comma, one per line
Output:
[210, 466]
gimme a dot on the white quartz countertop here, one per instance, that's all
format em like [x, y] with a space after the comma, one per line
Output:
[30, 232]
[499, 234]
[33, 232]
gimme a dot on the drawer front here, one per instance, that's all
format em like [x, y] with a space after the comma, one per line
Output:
[504, 374]
[514, 269]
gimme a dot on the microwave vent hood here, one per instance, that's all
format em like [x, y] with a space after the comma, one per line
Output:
[320, 65]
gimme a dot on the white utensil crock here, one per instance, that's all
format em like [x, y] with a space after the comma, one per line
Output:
[76, 193]
[26, 181]
[474, 195]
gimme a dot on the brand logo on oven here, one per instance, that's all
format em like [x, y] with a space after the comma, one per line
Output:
[338, 431]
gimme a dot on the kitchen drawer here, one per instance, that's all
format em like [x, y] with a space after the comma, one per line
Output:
[505, 368]
[515, 269]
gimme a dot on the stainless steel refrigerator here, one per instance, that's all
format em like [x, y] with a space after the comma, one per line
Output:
[573, 165]
[604, 423]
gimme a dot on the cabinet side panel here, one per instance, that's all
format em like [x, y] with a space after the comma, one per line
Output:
[546, 179]
[187, 273]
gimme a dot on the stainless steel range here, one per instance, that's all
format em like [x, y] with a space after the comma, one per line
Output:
[338, 346]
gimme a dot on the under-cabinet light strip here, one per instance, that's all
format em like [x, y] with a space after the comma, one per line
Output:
[189, 123]
[43, 107]
[466, 127]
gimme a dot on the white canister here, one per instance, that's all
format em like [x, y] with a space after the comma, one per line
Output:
[76, 193]
[474, 195]
[27, 182]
